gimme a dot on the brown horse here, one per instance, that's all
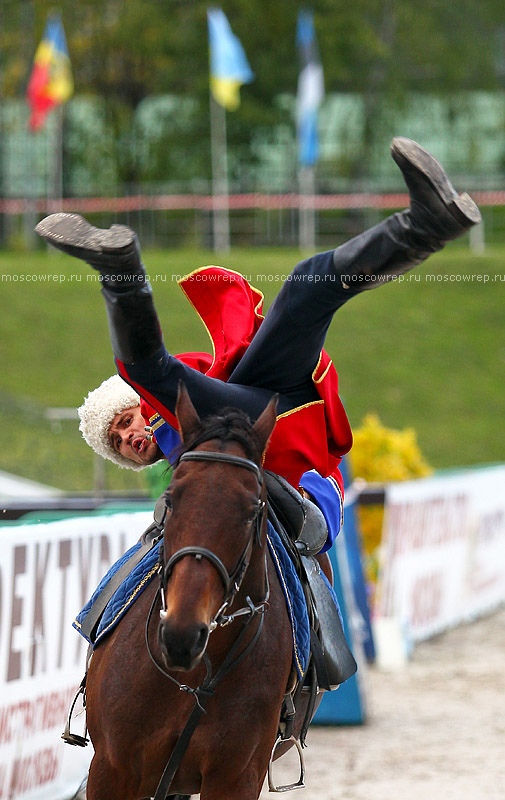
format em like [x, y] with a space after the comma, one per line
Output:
[217, 570]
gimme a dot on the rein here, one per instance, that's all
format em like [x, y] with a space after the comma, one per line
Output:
[231, 583]
[202, 695]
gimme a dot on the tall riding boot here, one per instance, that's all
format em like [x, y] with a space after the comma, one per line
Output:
[286, 348]
[135, 333]
[436, 215]
[133, 323]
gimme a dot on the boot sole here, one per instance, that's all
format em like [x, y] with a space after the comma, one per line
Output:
[406, 152]
[77, 237]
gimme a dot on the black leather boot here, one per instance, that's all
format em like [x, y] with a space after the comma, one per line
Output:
[436, 215]
[115, 252]
[134, 328]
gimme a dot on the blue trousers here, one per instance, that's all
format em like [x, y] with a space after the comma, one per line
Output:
[286, 348]
[280, 359]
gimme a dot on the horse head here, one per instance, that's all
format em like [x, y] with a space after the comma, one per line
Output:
[214, 530]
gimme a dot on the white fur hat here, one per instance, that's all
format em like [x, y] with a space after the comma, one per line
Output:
[97, 412]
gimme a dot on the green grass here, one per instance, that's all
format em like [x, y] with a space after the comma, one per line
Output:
[424, 353]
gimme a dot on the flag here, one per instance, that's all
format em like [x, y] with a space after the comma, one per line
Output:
[51, 80]
[229, 68]
[310, 90]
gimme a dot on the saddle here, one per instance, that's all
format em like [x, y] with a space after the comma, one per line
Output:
[301, 519]
[302, 528]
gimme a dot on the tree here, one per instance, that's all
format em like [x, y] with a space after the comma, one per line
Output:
[124, 52]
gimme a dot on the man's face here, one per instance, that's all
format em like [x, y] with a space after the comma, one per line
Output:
[128, 437]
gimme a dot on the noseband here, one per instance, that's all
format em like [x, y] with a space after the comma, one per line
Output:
[231, 581]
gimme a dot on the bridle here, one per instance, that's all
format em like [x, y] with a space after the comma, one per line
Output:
[231, 581]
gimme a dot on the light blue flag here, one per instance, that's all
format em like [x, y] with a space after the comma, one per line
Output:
[229, 68]
[310, 90]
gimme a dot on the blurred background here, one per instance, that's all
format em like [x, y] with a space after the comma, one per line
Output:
[137, 118]
[132, 135]
[250, 136]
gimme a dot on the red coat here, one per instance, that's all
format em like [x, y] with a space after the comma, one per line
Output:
[312, 436]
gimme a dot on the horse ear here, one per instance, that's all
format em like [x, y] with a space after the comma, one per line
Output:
[264, 425]
[186, 413]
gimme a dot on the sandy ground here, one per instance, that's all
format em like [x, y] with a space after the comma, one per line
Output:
[435, 729]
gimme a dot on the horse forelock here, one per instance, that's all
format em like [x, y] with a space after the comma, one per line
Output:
[230, 425]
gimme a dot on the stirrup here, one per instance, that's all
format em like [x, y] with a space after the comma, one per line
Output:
[74, 738]
[290, 786]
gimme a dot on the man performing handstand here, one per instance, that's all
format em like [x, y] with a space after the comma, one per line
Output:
[253, 359]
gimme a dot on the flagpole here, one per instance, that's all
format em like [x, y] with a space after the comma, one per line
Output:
[30, 194]
[55, 157]
[307, 213]
[49, 87]
[228, 71]
[309, 97]
[220, 196]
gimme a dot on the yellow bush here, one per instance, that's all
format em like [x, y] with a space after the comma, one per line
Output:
[382, 454]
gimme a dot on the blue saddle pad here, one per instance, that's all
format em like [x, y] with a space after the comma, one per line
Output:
[295, 600]
[142, 574]
[125, 595]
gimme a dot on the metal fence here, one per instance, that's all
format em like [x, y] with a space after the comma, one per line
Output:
[170, 205]
[255, 220]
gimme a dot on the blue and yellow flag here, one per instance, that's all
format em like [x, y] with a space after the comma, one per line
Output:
[310, 90]
[229, 68]
[51, 80]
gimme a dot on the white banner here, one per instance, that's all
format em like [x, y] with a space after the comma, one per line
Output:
[47, 574]
[443, 550]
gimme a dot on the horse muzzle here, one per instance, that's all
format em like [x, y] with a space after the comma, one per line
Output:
[182, 648]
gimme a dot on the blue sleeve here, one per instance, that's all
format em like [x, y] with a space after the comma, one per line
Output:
[326, 494]
[167, 438]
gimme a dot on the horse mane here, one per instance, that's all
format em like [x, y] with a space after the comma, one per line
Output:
[229, 425]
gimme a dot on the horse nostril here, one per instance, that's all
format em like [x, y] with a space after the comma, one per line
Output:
[202, 638]
[182, 648]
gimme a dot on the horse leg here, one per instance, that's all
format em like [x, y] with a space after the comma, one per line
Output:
[229, 781]
[107, 783]
[245, 786]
